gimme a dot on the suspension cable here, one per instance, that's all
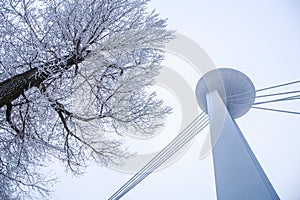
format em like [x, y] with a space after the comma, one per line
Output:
[161, 154]
[276, 86]
[160, 162]
[295, 97]
[186, 135]
[276, 94]
[277, 110]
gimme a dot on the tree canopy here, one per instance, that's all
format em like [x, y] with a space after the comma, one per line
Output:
[74, 73]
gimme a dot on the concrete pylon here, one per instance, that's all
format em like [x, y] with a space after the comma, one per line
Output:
[238, 174]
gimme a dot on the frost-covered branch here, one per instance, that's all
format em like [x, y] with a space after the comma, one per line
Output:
[73, 78]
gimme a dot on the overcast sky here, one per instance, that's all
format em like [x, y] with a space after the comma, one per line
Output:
[259, 38]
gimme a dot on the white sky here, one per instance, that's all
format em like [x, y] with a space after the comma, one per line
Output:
[259, 38]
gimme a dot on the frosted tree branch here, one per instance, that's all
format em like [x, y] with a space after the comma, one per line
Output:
[51, 54]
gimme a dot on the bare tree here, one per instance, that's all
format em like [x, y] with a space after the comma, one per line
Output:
[69, 68]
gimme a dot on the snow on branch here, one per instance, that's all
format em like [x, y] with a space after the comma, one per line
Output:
[73, 79]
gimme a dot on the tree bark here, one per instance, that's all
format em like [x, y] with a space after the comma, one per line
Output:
[15, 86]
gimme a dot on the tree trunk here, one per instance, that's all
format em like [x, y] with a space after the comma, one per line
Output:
[15, 86]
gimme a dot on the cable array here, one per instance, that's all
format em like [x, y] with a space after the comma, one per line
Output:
[196, 126]
[294, 95]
